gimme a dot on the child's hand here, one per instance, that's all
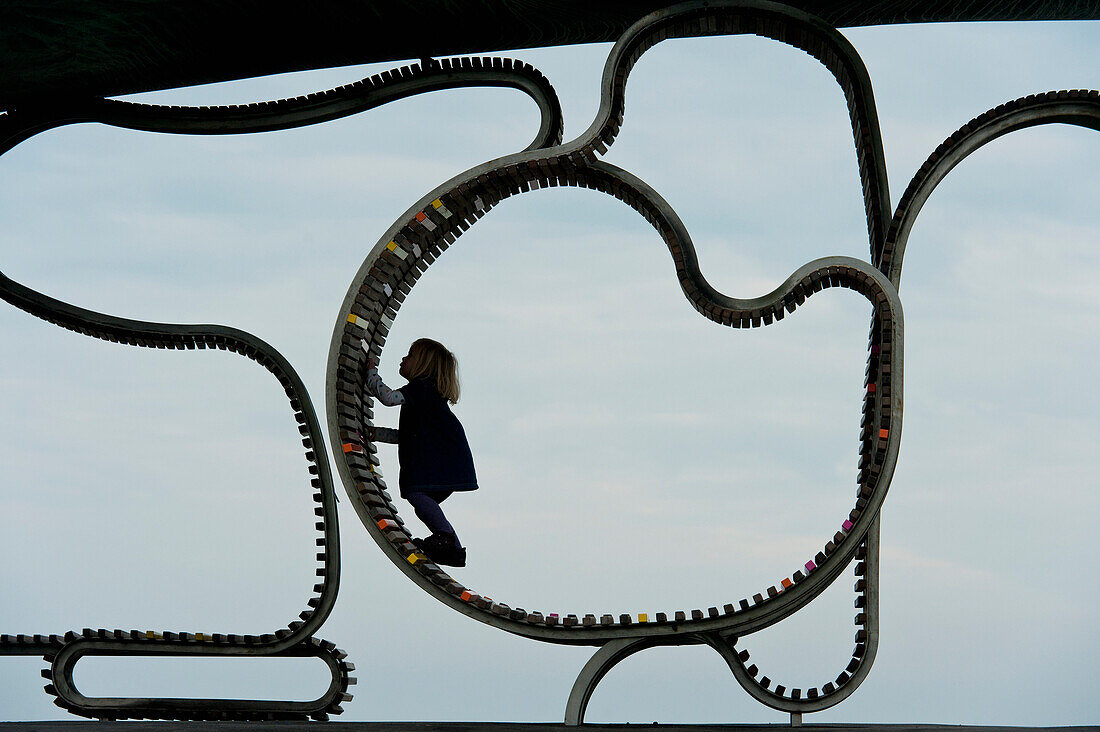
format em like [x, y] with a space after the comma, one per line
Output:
[371, 363]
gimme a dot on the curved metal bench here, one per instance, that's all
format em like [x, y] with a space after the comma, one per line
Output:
[422, 234]
[408, 248]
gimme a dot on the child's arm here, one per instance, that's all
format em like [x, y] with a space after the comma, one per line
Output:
[384, 394]
[384, 434]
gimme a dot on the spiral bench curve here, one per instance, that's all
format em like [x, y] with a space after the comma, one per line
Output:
[64, 651]
[434, 223]
[390, 277]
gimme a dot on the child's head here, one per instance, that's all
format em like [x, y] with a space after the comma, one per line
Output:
[430, 359]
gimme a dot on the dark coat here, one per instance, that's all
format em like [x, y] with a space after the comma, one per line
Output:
[431, 443]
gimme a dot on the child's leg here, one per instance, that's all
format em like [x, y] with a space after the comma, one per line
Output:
[426, 506]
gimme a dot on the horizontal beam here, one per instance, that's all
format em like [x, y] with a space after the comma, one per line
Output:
[79, 48]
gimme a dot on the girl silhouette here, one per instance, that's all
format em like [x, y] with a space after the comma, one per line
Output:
[431, 444]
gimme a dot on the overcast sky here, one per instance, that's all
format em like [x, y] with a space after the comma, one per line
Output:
[633, 457]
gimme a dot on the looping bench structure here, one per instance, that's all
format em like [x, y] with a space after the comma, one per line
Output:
[435, 222]
[421, 235]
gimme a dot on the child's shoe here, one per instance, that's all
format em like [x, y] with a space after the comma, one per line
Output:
[443, 549]
[453, 556]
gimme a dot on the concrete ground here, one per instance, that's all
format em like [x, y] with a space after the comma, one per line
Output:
[78, 726]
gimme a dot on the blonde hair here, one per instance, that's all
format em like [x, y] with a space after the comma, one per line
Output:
[431, 359]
